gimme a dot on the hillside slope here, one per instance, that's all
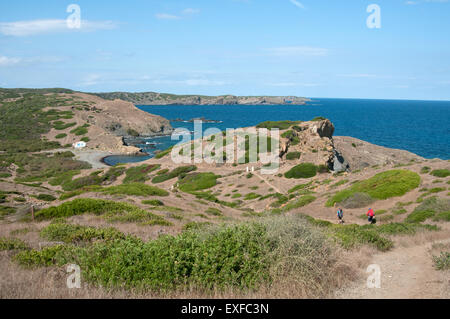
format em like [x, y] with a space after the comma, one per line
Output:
[152, 98]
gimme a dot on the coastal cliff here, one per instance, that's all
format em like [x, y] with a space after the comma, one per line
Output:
[152, 98]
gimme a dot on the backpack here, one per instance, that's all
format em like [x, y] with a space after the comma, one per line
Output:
[340, 213]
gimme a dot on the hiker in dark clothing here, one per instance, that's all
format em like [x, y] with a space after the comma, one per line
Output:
[340, 216]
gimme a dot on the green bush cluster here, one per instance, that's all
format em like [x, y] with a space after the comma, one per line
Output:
[139, 174]
[293, 155]
[12, 244]
[136, 189]
[441, 172]
[240, 256]
[176, 172]
[69, 233]
[381, 186]
[282, 125]
[153, 202]
[430, 207]
[197, 181]
[115, 211]
[304, 170]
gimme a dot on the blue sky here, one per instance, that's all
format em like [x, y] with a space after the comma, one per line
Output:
[313, 48]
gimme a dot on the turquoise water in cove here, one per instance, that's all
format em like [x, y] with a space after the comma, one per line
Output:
[421, 127]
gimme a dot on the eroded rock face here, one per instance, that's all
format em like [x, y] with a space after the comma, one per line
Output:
[313, 140]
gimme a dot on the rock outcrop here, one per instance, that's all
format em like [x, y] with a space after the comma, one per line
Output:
[313, 140]
[357, 154]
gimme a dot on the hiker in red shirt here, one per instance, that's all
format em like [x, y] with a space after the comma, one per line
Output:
[370, 214]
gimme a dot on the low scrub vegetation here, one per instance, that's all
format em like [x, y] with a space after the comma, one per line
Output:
[436, 207]
[136, 189]
[114, 211]
[139, 174]
[304, 170]
[441, 172]
[12, 244]
[282, 125]
[69, 233]
[240, 256]
[381, 186]
[293, 155]
[179, 171]
[197, 181]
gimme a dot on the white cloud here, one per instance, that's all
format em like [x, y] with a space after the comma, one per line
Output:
[191, 11]
[34, 27]
[165, 16]
[297, 51]
[297, 4]
[5, 61]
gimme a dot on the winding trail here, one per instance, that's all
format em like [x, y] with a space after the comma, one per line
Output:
[406, 272]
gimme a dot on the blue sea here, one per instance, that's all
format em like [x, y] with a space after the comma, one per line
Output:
[421, 127]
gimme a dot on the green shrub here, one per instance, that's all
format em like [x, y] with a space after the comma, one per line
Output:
[299, 187]
[213, 211]
[60, 125]
[304, 170]
[139, 174]
[293, 155]
[163, 171]
[351, 236]
[62, 135]
[318, 118]
[163, 153]
[241, 256]
[153, 202]
[197, 181]
[381, 186]
[179, 171]
[136, 189]
[12, 244]
[282, 125]
[444, 216]
[441, 172]
[429, 208]
[46, 197]
[75, 233]
[251, 196]
[112, 209]
[425, 170]
[302, 201]
[442, 262]
[323, 169]
[81, 130]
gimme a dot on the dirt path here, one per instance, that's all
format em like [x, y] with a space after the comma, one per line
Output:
[267, 182]
[406, 272]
